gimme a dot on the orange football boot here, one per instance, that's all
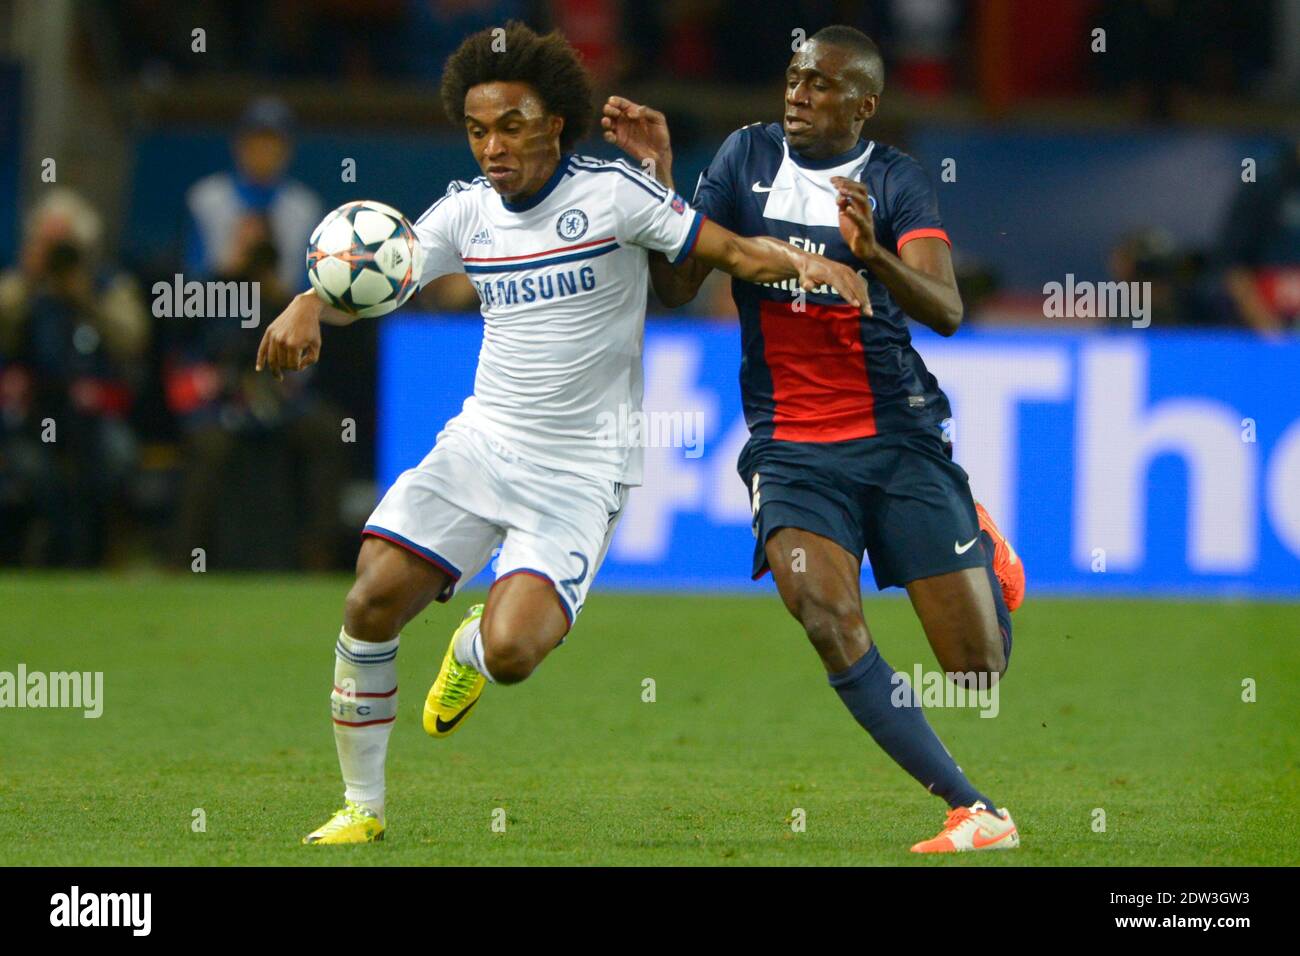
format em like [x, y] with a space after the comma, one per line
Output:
[1007, 566]
[973, 828]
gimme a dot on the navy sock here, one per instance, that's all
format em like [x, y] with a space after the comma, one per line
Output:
[869, 690]
[1000, 604]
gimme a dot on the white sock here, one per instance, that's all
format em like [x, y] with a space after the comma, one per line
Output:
[364, 705]
[469, 648]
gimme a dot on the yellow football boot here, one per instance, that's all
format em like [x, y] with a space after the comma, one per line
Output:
[353, 824]
[455, 690]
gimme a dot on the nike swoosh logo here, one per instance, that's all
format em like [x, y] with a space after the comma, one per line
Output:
[963, 548]
[444, 726]
[761, 189]
[979, 844]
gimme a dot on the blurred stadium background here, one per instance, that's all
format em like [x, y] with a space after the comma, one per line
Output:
[1161, 462]
[1167, 457]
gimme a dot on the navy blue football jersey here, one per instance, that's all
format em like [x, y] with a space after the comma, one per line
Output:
[824, 372]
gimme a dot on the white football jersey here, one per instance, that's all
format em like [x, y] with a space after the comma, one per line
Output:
[562, 279]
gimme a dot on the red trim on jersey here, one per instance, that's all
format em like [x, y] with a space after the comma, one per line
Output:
[531, 255]
[693, 237]
[529, 571]
[441, 565]
[821, 389]
[911, 234]
[340, 690]
[564, 604]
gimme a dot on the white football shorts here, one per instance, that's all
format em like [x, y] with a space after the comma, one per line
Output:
[471, 497]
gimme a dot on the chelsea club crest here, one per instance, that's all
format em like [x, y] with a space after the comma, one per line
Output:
[571, 225]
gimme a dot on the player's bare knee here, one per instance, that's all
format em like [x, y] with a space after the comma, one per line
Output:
[510, 657]
[371, 612]
[985, 662]
[832, 626]
[991, 657]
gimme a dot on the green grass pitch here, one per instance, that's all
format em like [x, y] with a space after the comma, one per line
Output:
[216, 698]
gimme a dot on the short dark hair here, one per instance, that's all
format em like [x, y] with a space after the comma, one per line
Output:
[547, 63]
[864, 50]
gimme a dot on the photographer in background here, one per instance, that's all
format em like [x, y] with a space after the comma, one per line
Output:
[250, 225]
[73, 335]
[255, 203]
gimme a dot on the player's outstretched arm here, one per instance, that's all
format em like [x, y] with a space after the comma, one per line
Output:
[675, 285]
[642, 133]
[765, 259]
[292, 342]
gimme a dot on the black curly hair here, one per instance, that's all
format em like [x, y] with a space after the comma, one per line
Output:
[547, 63]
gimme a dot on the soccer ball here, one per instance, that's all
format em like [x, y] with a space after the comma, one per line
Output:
[364, 259]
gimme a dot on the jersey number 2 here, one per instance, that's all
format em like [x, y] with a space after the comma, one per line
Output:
[571, 585]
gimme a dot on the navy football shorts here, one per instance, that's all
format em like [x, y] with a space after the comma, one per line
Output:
[900, 498]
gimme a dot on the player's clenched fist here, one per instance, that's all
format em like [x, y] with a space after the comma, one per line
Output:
[292, 342]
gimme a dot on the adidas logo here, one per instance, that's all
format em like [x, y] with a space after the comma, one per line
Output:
[481, 238]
